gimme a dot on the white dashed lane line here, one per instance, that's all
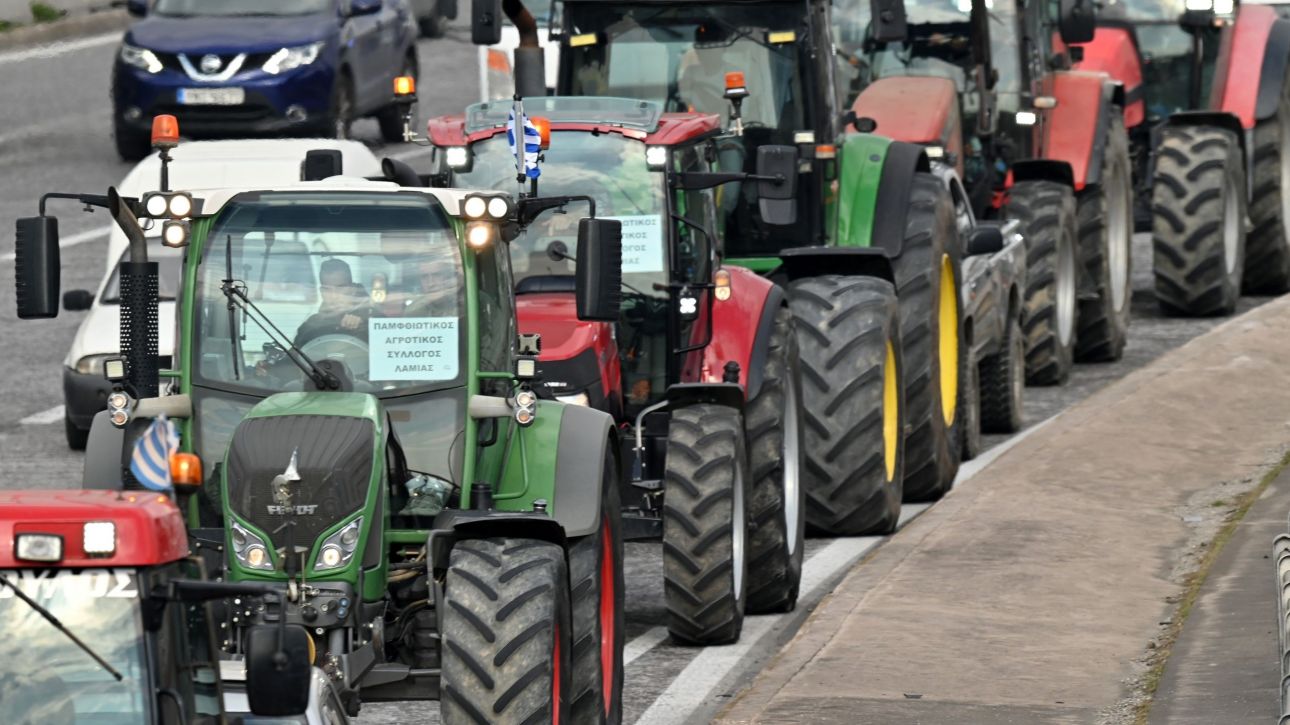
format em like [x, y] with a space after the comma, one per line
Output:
[44, 417]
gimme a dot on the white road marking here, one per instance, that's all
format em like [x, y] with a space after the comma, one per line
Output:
[648, 640]
[53, 50]
[72, 241]
[44, 417]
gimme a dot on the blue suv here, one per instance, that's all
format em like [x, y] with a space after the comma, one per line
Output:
[250, 67]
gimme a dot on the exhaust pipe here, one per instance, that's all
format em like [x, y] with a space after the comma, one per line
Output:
[530, 61]
[138, 303]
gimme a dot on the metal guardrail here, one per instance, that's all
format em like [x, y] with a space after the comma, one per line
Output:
[1281, 555]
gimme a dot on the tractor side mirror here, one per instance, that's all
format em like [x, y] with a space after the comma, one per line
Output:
[1077, 22]
[364, 7]
[486, 22]
[985, 240]
[36, 267]
[600, 269]
[777, 189]
[277, 688]
[889, 24]
[137, 8]
[77, 300]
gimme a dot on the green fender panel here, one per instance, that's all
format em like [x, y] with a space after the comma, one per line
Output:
[860, 165]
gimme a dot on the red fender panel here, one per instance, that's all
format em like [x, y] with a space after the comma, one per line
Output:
[916, 109]
[554, 316]
[735, 322]
[1070, 129]
[1236, 88]
[1113, 52]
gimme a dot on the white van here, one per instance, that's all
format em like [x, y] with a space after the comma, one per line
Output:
[198, 164]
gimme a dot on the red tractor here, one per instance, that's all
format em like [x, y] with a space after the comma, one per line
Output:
[1210, 136]
[702, 368]
[108, 619]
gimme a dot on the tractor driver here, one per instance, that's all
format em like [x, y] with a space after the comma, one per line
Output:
[340, 311]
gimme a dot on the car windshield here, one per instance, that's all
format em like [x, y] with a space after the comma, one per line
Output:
[44, 677]
[607, 167]
[221, 8]
[169, 264]
[679, 55]
[370, 281]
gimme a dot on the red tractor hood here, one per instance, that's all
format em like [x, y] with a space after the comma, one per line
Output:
[149, 528]
[554, 316]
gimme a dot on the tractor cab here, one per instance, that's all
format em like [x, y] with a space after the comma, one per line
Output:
[108, 619]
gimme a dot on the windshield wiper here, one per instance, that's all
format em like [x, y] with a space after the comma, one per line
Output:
[49, 616]
[235, 291]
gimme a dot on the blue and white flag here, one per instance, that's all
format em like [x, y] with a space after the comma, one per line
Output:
[150, 462]
[526, 154]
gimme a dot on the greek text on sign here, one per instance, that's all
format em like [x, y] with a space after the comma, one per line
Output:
[642, 243]
[413, 348]
[45, 585]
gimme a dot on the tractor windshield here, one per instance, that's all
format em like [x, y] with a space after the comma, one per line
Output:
[609, 168]
[371, 281]
[44, 677]
[678, 55]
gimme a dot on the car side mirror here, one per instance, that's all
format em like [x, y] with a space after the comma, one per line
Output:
[36, 267]
[137, 8]
[777, 185]
[599, 288]
[985, 240]
[364, 7]
[77, 300]
[274, 687]
[1076, 23]
[889, 24]
[486, 22]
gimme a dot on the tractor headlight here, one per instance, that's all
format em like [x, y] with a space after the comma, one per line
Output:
[656, 157]
[38, 547]
[338, 549]
[140, 58]
[491, 207]
[291, 58]
[525, 407]
[98, 538]
[480, 234]
[474, 207]
[458, 157]
[250, 549]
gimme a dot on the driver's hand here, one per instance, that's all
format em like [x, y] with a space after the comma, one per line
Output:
[350, 322]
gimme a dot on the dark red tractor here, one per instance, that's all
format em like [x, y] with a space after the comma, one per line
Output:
[702, 368]
[1210, 119]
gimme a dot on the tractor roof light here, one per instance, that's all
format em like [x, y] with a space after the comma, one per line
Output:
[656, 157]
[736, 88]
[185, 470]
[487, 207]
[543, 126]
[169, 205]
[165, 132]
[1026, 118]
[175, 233]
[457, 157]
[526, 368]
[405, 89]
[38, 547]
[99, 538]
[480, 234]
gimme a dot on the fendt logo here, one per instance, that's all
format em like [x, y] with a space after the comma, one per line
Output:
[298, 510]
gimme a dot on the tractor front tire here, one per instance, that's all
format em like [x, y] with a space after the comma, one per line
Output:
[596, 578]
[705, 525]
[777, 528]
[1002, 382]
[1046, 210]
[1105, 217]
[848, 335]
[506, 644]
[1267, 248]
[927, 284]
[1198, 231]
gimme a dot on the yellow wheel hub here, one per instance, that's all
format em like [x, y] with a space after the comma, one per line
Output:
[949, 341]
[890, 412]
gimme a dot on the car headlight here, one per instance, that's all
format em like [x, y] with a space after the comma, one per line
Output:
[140, 58]
[579, 399]
[338, 549]
[92, 364]
[250, 549]
[290, 58]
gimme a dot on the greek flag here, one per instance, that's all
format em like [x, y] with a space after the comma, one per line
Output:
[150, 462]
[526, 154]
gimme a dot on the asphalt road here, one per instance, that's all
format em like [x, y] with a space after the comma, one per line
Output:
[55, 135]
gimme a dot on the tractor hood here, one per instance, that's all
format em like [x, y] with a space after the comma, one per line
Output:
[554, 316]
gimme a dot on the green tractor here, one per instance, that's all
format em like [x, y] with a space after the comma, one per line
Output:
[863, 236]
[349, 375]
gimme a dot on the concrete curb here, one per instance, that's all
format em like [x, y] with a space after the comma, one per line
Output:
[76, 26]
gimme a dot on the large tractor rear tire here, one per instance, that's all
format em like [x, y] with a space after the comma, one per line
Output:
[506, 645]
[1198, 234]
[596, 578]
[1267, 248]
[927, 284]
[776, 536]
[705, 525]
[1105, 216]
[848, 334]
[1046, 210]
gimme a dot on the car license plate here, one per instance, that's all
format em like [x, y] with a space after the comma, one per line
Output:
[212, 96]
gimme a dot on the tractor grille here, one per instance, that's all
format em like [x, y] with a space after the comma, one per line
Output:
[334, 462]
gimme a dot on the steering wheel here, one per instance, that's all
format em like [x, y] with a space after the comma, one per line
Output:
[346, 348]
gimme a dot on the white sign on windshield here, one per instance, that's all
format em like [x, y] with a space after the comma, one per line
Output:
[412, 348]
[642, 243]
[47, 584]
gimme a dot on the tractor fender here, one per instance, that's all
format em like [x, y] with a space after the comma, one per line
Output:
[454, 525]
[684, 395]
[1114, 51]
[921, 110]
[1210, 118]
[741, 328]
[1076, 132]
[1260, 41]
[875, 175]
[103, 461]
[1042, 170]
[586, 435]
[803, 262]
